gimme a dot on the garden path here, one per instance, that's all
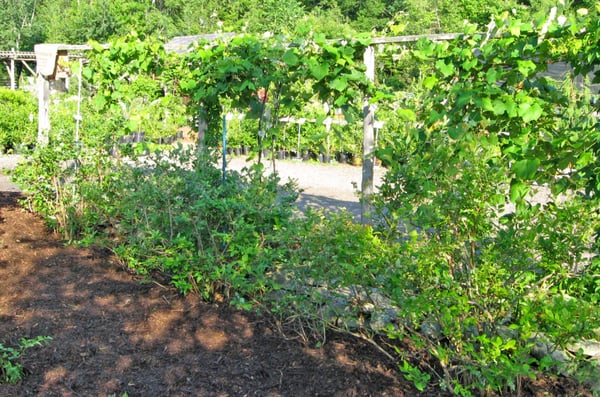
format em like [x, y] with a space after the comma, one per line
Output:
[330, 186]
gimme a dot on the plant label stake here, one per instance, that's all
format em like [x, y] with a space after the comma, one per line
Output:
[224, 149]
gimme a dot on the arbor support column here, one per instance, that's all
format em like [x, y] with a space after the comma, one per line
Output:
[368, 143]
[43, 91]
[13, 84]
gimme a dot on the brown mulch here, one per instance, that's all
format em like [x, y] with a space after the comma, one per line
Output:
[113, 333]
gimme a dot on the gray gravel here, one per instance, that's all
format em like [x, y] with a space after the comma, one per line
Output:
[7, 163]
[331, 186]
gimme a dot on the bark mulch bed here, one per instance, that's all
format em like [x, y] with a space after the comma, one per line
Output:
[113, 333]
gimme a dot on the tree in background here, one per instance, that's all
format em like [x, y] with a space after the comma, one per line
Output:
[326, 19]
[145, 17]
[27, 22]
[19, 22]
[275, 16]
[541, 8]
[82, 21]
[369, 15]
[445, 16]
[77, 22]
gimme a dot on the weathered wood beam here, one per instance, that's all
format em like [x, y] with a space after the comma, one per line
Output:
[414, 38]
[13, 84]
[24, 62]
[368, 142]
[43, 90]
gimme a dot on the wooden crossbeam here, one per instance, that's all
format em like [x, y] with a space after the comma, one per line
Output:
[18, 55]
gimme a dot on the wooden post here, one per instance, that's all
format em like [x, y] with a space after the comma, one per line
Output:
[78, 115]
[43, 91]
[13, 84]
[202, 129]
[368, 142]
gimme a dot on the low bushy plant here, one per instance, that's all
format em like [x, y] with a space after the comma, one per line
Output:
[212, 234]
[171, 212]
[11, 367]
[18, 119]
[69, 185]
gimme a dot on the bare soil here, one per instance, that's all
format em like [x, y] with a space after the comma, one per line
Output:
[114, 332]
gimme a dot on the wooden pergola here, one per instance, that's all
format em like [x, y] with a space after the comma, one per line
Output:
[49, 67]
[10, 59]
[51, 64]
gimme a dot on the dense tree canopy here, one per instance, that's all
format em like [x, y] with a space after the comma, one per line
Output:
[18, 22]
[27, 22]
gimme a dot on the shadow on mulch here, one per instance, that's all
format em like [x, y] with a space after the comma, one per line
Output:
[113, 333]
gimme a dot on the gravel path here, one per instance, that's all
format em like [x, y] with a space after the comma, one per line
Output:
[331, 186]
[7, 163]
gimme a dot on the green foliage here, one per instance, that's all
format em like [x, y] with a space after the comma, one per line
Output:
[134, 81]
[11, 369]
[274, 16]
[327, 270]
[444, 16]
[372, 15]
[267, 77]
[487, 225]
[413, 374]
[20, 28]
[320, 21]
[491, 196]
[230, 73]
[18, 119]
[213, 239]
[65, 183]
[61, 21]
[76, 22]
[103, 20]
[361, 257]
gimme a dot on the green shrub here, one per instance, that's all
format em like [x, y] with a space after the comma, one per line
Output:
[495, 237]
[172, 213]
[18, 119]
[331, 249]
[212, 237]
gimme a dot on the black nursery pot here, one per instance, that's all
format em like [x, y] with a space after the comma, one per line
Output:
[341, 157]
[138, 137]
